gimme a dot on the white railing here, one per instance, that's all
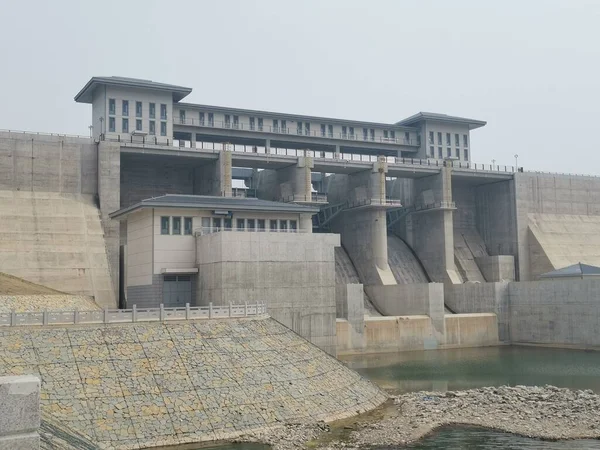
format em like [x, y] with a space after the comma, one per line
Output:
[135, 314]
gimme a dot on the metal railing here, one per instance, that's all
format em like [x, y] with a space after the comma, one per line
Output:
[293, 131]
[212, 230]
[135, 314]
[38, 133]
[314, 197]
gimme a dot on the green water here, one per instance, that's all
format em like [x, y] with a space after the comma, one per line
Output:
[441, 370]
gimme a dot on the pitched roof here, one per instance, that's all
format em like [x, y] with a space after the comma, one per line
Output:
[576, 270]
[85, 94]
[421, 116]
[213, 202]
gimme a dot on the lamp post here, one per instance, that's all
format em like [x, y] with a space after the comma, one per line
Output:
[516, 162]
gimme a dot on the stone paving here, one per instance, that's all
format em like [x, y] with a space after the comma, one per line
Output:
[138, 385]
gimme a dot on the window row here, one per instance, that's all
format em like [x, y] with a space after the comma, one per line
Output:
[214, 224]
[138, 126]
[112, 109]
[440, 153]
[449, 139]
[172, 225]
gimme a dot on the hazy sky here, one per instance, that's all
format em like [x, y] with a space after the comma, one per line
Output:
[531, 69]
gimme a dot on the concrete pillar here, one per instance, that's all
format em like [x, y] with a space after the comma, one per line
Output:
[268, 146]
[109, 196]
[306, 223]
[19, 412]
[214, 178]
[337, 152]
[350, 306]
[193, 140]
[292, 183]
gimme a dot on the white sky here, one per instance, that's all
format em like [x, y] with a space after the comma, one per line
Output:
[531, 69]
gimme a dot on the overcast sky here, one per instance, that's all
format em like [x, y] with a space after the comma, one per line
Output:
[531, 69]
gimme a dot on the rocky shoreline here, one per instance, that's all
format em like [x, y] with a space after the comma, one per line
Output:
[547, 412]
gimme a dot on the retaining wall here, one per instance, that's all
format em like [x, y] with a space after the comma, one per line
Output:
[19, 413]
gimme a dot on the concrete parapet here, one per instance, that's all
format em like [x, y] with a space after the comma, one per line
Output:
[497, 267]
[471, 330]
[19, 412]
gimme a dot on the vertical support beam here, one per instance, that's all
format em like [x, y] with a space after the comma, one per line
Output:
[306, 223]
[225, 173]
[193, 140]
[336, 152]
[267, 146]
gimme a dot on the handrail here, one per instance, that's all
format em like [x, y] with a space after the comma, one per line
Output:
[132, 315]
[41, 133]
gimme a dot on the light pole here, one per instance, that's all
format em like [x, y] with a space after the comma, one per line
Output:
[516, 162]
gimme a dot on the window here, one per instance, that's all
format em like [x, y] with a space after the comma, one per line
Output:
[138, 124]
[449, 152]
[227, 225]
[163, 111]
[273, 225]
[466, 154]
[365, 134]
[307, 129]
[176, 225]
[323, 128]
[283, 224]
[236, 122]
[250, 223]
[458, 153]
[407, 137]
[456, 140]
[276, 125]
[125, 107]
[448, 139]
[419, 140]
[440, 154]
[163, 128]
[187, 226]
[111, 124]
[216, 223]
[432, 151]
[206, 225]
[284, 126]
[211, 120]
[164, 225]
[372, 134]
[152, 127]
[152, 110]
[293, 225]
[439, 138]
[299, 128]
[465, 140]
[260, 124]
[125, 125]
[241, 224]
[260, 223]
[201, 119]
[227, 121]
[385, 133]
[393, 134]
[138, 109]
[111, 106]
[252, 123]
[344, 132]
[330, 130]
[431, 137]
[181, 116]
[351, 132]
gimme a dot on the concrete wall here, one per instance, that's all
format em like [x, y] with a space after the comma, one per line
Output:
[471, 330]
[293, 272]
[497, 268]
[140, 231]
[19, 412]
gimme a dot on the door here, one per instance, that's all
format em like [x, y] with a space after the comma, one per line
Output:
[177, 290]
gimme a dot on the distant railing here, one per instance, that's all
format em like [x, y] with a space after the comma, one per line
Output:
[294, 131]
[211, 230]
[45, 134]
[315, 197]
[135, 314]
[374, 202]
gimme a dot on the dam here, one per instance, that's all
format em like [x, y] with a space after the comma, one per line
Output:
[359, 238]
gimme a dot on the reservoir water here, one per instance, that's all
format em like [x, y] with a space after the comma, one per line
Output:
[456, 369]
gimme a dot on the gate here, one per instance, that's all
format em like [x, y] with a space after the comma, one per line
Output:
[177, 290]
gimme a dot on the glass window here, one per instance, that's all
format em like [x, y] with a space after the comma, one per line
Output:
[152, 110]
[344, 131]
[260, 124]
[138, 109]
[125, 126]
[227, 120]
[251, 224]
[385, 133]
[307, 128]
[111, 106]
[260, 223]
[432, 151]
[283, 224]
[211, 120]
[164, 225]
[448, 139]
[431, 137]
[372, 134]
[407, 137]
[456, 140]
[293, 225]
[299, 128]
[351, 132]
[111, 124]
[440, 154]
[187, 226]
[227, 224]
[449, 152]
[125, 107]
[365, 134]
[138, 124]
[465, 140]
[330, 130]
[439, 138]
[163, 111]
[275, 125]
[163, 128]
[216, 223]
[201, 118]
[323, 128]
[273, 225]
[181, 116]
[152, 127]
[241, 224]
[236, 121]
[252, 123]
[176, 225]
[458, 153]
[284, 126]
[466, 154]
[206, 225]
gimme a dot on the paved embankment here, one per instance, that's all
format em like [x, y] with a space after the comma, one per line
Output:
[148, 384]
[46, 302]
